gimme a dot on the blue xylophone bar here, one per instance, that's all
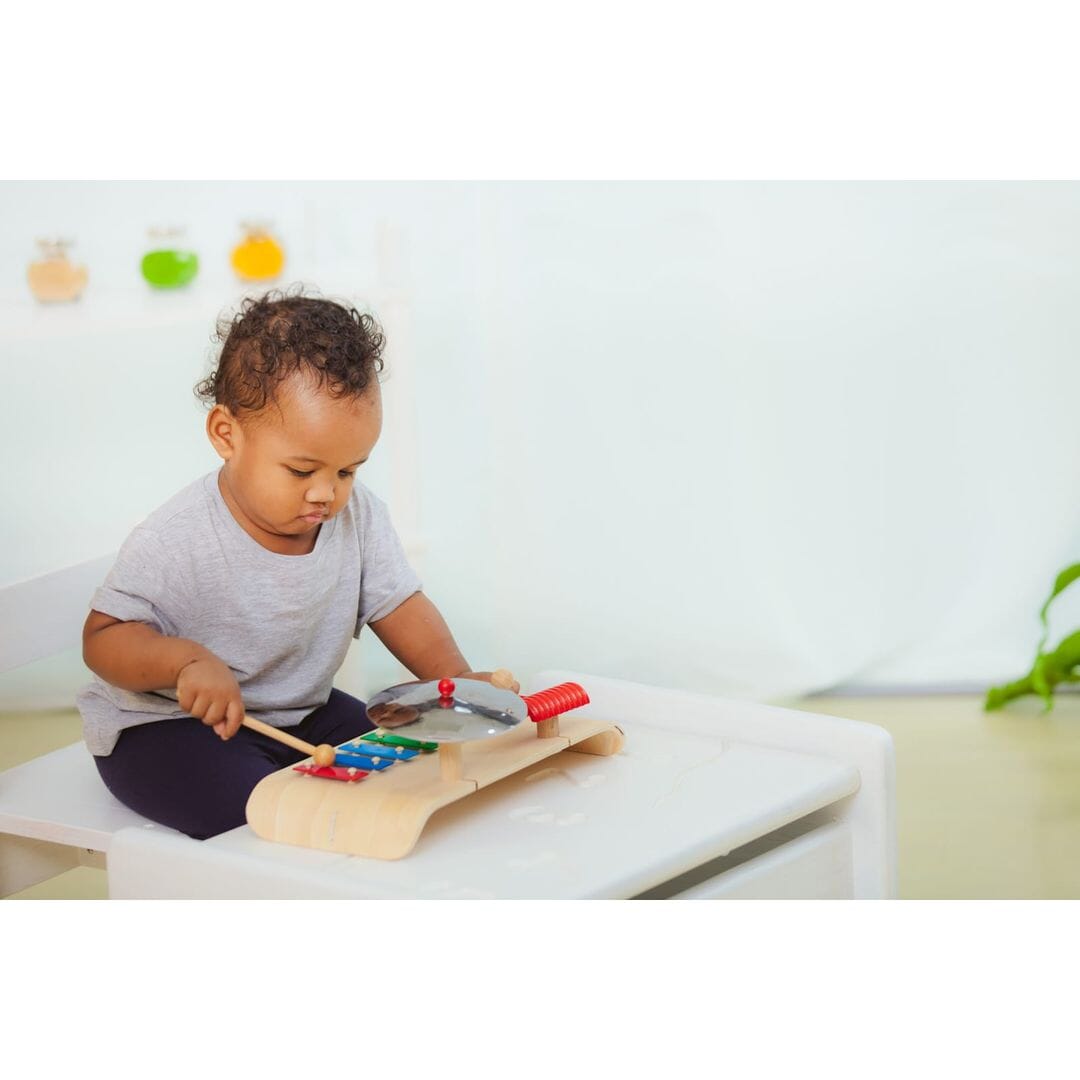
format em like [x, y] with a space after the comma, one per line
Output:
[392, 753]
[361, 761]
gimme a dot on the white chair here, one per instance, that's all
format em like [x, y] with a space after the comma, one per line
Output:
[55, 812]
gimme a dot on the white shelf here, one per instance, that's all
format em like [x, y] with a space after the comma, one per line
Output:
[104, 310]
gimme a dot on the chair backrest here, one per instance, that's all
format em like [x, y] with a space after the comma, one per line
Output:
[44, 615]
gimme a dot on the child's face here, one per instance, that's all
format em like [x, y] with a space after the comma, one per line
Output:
[291, 468]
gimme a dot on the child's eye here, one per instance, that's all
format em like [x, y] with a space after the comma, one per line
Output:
[301, 475]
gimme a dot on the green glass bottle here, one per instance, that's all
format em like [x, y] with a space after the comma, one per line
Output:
[168, 265]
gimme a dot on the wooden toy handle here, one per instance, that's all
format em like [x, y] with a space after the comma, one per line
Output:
[316, 752]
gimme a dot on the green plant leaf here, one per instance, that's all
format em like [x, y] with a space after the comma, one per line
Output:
[1064, 580]
[1041, 683]
[1049, 668]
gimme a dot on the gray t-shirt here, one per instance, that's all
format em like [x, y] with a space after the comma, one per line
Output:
[281, 622]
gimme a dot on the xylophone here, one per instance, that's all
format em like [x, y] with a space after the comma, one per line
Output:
[437, 742]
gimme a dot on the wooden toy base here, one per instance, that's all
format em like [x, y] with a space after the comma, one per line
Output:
[383, 815]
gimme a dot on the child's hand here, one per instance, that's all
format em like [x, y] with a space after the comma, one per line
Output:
[485, 676]
[208, 690]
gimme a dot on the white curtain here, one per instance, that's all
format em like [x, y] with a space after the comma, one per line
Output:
[746, 439]
[762, 439]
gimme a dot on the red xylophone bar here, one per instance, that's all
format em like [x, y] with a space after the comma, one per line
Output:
[554, 702]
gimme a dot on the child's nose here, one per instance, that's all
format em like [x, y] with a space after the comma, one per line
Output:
[320, 493]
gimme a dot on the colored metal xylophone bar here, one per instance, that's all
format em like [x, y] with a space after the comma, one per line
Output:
[353, 761]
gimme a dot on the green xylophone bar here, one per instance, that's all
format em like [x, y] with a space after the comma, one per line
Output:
[399, 740]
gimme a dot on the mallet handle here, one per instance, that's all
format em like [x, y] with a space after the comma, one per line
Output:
[281, 736]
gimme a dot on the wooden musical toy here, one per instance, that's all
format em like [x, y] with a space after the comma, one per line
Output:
[444, 740]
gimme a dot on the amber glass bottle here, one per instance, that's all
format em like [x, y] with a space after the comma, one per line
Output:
[52, 276]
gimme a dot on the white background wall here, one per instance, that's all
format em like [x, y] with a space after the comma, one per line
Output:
[742, 438]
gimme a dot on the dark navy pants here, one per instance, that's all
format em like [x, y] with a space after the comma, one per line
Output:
[181, 774]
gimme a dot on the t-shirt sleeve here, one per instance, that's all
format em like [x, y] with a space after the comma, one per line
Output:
[386, 578]
[144, 585]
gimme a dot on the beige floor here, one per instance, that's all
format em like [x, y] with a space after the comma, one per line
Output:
[988, 805]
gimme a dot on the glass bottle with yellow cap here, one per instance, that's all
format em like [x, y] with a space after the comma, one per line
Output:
[259, 256]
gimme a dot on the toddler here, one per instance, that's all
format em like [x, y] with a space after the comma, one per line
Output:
[242, 592]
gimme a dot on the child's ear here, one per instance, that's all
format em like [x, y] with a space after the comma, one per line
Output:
[223, 431]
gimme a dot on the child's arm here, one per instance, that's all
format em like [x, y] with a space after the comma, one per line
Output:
[418, 636]
[134, 656]
[416, 633]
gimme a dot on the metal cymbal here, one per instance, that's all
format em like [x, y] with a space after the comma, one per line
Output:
[472, 710]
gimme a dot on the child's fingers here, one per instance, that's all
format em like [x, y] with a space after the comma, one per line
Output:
[219, 729]
[215, 713]
[234, 714]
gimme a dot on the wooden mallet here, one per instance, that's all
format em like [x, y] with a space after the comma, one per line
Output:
[324, 755]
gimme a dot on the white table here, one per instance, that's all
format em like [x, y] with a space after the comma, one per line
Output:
[709, 798]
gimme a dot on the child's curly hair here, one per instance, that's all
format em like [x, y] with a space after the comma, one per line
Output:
[277, 335]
